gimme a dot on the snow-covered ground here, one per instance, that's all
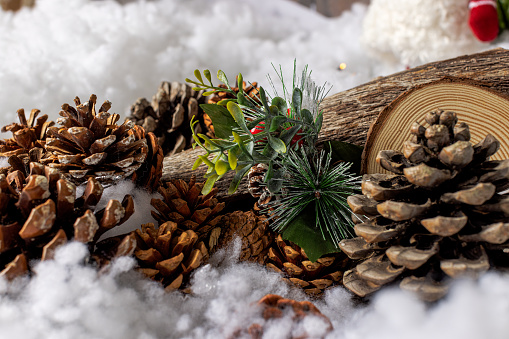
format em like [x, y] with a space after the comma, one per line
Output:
[64, 48]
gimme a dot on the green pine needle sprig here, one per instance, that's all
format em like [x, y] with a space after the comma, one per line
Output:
[315, 183]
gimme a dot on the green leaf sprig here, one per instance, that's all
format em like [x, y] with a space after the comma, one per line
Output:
[249, 132]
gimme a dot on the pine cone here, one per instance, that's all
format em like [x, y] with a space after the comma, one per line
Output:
[255, 234]
[168, 254]
[169, 115]
[26, 135]
[184, 204]
[45, 213]
[440, 217]
[257, 188]
[90, 143]
[290, 260]
[273, 306]
[150, 173]
[183, 216]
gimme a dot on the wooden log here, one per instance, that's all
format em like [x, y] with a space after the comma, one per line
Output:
[348, 114]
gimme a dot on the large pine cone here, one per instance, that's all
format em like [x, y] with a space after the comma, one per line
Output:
[290, 260]
[26, 135]
[169, 115]
[90, 143]
[44, 213]
[440, 217]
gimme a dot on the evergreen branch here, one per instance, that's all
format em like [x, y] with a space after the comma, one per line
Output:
[313, 181]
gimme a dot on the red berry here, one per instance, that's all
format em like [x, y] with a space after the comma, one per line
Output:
[297, 138]
[258, 128]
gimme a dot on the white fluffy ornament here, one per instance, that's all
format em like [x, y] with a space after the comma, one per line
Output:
[413, 32]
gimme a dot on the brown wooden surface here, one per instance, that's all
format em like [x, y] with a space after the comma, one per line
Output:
[348, 114]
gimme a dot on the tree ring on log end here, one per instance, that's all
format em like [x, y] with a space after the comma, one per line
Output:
[485, 111]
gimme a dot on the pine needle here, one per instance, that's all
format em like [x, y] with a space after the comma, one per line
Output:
[316, 182]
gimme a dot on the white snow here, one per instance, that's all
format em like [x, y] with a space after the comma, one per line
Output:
[62, 48]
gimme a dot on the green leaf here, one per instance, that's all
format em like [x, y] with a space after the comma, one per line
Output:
[207, 75]
[241, 99]
[303, 231]
[197, 89]
[204, 158]
[197, 74]
[343, 151]
[297, 101]
[263, 98]
[245, 150]
[318, 122]
[197, 163]
[288, 134]
[280, 103]
[221, 167]
[307, 116]
[222, 77]
[260, 158]
[206, 94]
[237, 178]
[209, 184]
[270, 172]
[275, 185]
[277, 144]
[238, 115]
[233, 157]
[276, 123]
[222, 120]
[240, 81]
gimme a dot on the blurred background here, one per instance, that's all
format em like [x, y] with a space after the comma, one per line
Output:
[54, 50]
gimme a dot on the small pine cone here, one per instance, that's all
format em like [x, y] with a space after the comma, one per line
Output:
[169, 115]
[168, 254]
[257, 188]
[90, 143]
[313, 277]
[26, 135]
[255, 234]
[43, 212]
[439, 218]
[184, 204]
[273, 306]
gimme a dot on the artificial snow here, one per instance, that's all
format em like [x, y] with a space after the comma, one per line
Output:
[418, 31]
[67, 299]
[61, 49]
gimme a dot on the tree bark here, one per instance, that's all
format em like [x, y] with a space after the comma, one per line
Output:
[348, 114]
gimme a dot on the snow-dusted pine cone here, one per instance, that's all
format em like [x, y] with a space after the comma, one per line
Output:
[439, 217]
[273, 307]
[42, 212]
[26, 135]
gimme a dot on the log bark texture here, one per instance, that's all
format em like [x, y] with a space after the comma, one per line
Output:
[348, 114]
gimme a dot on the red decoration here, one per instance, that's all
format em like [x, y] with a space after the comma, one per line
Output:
[483, 19]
